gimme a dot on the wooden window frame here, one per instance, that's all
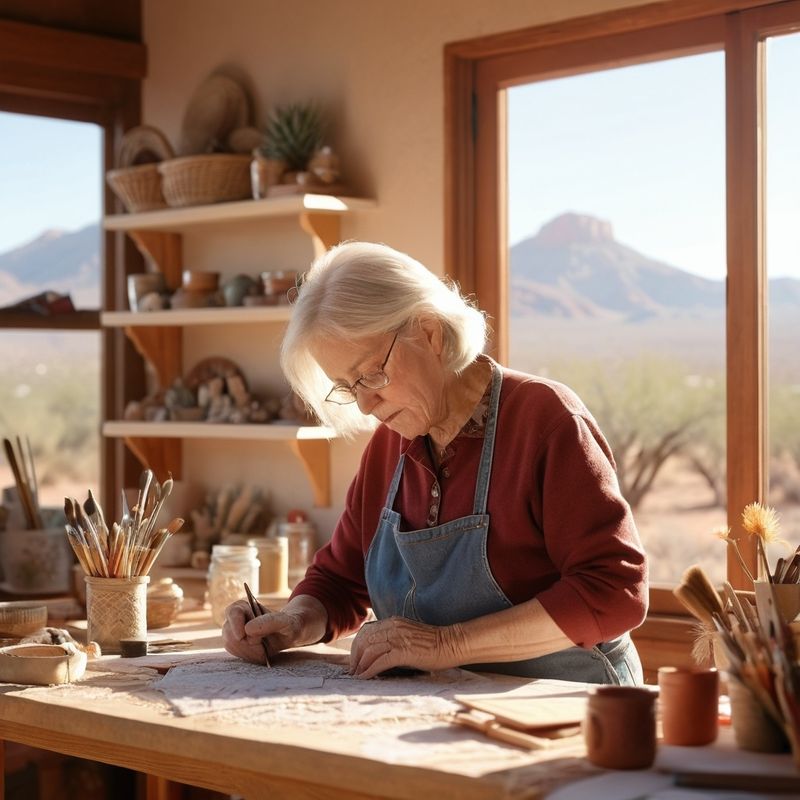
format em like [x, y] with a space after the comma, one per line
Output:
[61, 74]
[477, 73]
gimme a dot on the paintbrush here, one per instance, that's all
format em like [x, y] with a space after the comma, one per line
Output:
[23, 490]
[258, 610]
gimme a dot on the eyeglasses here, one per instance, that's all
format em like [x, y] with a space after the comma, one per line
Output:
[343, 395]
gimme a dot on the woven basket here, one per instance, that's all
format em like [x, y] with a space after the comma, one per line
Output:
[197, 180]
[139, 188]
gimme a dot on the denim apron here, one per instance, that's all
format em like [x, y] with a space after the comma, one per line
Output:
[441, 576]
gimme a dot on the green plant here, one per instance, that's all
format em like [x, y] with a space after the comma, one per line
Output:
[293, 133]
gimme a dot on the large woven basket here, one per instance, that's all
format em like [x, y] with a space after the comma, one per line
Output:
[139, 188]
[214, 178]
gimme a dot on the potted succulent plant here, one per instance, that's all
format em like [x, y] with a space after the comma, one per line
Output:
[294, 133]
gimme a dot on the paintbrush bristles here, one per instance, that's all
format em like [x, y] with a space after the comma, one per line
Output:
[129, 548]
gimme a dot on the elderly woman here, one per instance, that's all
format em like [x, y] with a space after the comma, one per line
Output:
[485, 526]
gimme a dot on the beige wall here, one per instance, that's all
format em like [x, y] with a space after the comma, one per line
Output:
[377, 67]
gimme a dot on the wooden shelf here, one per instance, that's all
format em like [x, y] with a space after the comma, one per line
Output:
[195, 316]
[76, 321]
[209, 430]
[177, 220]
[158, 335]
[157, 445]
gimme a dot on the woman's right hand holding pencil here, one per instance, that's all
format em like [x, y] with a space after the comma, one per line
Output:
[302, 621]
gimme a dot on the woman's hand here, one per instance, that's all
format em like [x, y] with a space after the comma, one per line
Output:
[302, 621]
[242, 635]
[399, 642]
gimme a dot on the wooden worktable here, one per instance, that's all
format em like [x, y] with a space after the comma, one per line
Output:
[96, 719]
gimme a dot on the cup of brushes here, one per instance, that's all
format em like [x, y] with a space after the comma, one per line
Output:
[117, 560]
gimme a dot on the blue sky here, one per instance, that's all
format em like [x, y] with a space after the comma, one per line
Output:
[641, 147]
[50, 176]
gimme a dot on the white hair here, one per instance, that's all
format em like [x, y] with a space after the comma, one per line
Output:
[361, 289]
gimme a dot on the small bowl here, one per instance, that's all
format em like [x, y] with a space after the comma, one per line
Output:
[199, 281]
[40, 664]
[21, 618]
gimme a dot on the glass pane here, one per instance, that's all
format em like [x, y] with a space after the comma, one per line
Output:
[50, 242]
[50, 208]
[783, 272]
[617, 259]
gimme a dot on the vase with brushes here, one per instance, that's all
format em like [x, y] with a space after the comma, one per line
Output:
[756, 643]
[117, 560]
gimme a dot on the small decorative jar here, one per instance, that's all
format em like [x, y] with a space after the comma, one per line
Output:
[300, 536]
[231, 567]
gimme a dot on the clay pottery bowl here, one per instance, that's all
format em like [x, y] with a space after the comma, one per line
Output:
[21, 618]
[200, 281]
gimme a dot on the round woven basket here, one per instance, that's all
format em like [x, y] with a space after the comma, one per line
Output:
[197, 180]
[139, 188]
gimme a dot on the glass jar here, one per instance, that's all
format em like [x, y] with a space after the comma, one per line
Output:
[273, 555]
[231, 567]
[301, 538]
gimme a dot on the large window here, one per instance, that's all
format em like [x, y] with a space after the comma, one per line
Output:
[783, 269]
[622, 200]
[50, 255]
[617, 279]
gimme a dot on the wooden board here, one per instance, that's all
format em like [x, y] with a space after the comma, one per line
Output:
[529, 713]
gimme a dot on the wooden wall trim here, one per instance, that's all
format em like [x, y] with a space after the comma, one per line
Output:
[590, 26]
[71, 52]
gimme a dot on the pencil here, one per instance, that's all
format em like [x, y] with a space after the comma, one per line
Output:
[257, 610]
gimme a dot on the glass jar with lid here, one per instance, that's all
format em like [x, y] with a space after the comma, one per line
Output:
[301, 538]
[231, 567]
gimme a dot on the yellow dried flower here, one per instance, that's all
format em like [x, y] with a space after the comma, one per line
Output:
[761, 521]
[723, 532]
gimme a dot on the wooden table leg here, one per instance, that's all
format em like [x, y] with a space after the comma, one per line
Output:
[2, 769]
[157, 788]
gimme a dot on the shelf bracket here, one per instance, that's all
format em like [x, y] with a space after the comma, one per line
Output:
[315, 456]
[164, 251]
[163, 456]
[324, 230]
[160, 347]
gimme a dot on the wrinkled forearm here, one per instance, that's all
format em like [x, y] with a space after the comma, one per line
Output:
[514, 634]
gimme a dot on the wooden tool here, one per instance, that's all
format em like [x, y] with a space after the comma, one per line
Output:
[258, 610]
[485, 723]
[26, 498]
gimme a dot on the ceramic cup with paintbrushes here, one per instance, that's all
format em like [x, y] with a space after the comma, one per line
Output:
[117, 560]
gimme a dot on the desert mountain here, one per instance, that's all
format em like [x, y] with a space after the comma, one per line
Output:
[573, 267]
[64, 261]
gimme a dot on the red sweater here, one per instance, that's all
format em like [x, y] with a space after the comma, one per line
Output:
[559, 528]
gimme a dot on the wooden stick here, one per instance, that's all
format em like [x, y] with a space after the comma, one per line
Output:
[494, 730]
[23, 491]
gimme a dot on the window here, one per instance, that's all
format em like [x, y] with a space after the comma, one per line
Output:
[50, 242]
[617, 279]
[94, 98]
[783, 271]
[573, 60]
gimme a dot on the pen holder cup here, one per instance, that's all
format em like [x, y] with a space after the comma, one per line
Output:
[37, 562]
[620, 727]
[787, 597]
[116, 608]
[753, 728]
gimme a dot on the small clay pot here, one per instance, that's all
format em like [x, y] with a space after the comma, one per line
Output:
[620, 727]
[200, 281]
[689, 703]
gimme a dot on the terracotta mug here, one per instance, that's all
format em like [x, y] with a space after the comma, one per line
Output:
[620, 727]
[689, 703]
